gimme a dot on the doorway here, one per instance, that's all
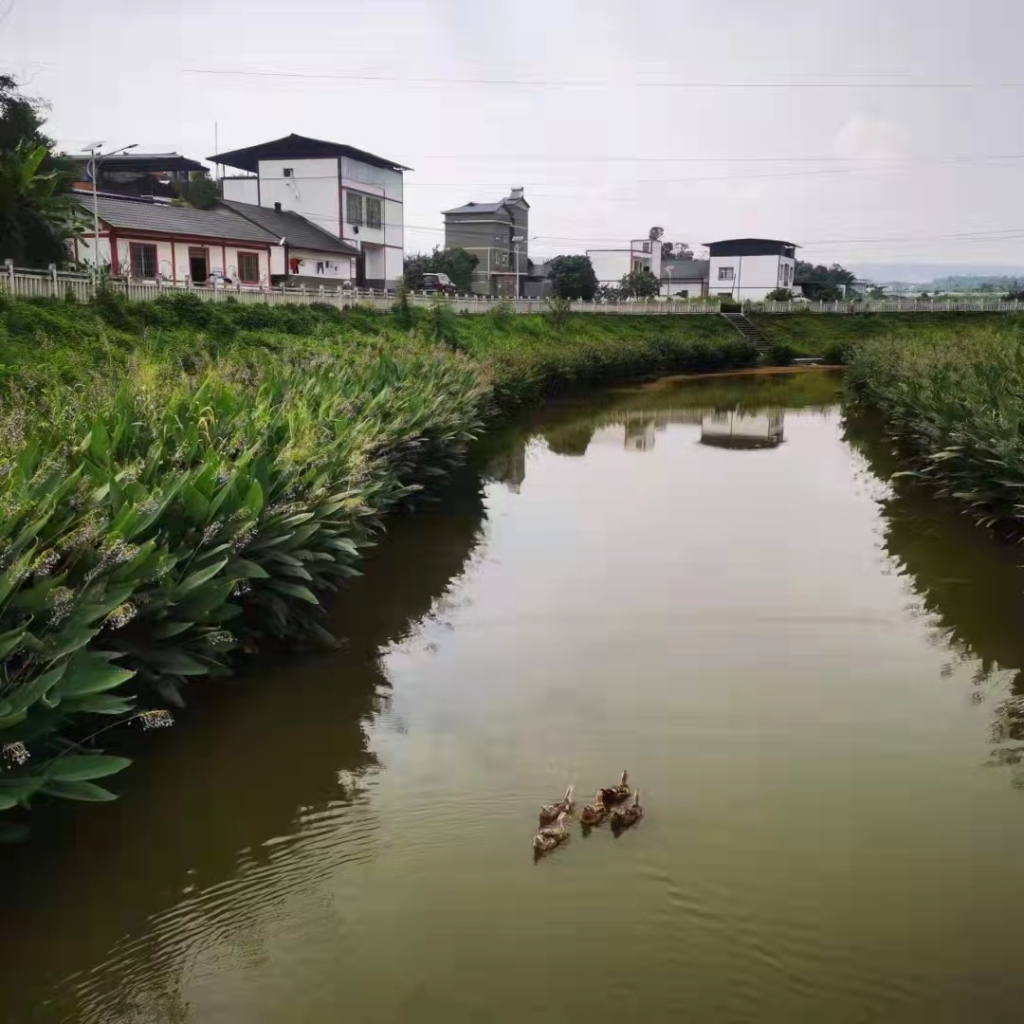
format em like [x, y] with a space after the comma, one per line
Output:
[199, 265]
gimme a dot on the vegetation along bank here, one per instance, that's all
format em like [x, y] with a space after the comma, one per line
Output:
[953, 405]
[180, 482]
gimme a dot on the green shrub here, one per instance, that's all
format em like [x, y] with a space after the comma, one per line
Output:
[781, 354]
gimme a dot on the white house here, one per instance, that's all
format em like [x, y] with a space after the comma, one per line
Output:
[354, 195]
[750, 268]
[149, 239]
[611, 265]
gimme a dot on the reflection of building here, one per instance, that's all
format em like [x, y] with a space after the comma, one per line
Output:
[640, 435]
[734, 429]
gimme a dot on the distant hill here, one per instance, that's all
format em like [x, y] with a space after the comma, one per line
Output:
[931, 273]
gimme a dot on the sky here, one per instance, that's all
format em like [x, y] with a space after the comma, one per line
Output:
[889, 132]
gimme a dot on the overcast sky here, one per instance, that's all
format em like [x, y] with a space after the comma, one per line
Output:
[886, 131]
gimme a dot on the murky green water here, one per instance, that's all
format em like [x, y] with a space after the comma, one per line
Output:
[811, 678]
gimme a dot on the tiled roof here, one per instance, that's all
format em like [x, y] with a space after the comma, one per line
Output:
[165, 218]
[298, 147]
[295, 229]
[477, 208]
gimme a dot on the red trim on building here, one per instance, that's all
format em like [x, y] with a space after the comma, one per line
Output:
[174, 263]
[115, 267]
[224, 261]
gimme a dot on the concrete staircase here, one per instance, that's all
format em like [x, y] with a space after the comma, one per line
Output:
[746, 328]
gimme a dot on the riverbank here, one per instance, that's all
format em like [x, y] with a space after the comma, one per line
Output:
[180, 482]
[952, 405]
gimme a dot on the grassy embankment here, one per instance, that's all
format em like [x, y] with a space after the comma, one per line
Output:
[834, 337]
[953, 404]
[179, 481]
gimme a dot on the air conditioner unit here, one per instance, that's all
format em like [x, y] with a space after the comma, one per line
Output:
[288, 172]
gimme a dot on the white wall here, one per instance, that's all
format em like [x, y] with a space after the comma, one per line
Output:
[277, 264]
[376, 263]
[394, 224]
[394, 265]
[312, 189]
[753, 276]
[242, 190]
[610, 264]
[388, 183]
[85, 250]
[693, 288]
[329, 267]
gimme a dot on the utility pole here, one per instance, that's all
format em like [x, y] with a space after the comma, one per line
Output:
[94, 166]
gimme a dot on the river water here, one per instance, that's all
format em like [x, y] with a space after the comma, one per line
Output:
[809, 674]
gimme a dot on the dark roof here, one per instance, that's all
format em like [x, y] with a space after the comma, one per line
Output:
[301, 148]
[510, 200]
[142, 162]
[685, 270]
[476, 208]
[165, 218]
[750, 247]
[295, 229]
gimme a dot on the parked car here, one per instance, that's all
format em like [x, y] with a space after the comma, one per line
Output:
[438, 283]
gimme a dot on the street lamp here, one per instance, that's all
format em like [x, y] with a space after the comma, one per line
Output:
[94, 166]
[516, 239]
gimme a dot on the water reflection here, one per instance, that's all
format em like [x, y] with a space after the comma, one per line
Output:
[971, 584]
[249, 804]
[732, 428]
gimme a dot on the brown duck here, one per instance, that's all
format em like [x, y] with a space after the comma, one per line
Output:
[550, 812]
[613, 795]
[624, 817]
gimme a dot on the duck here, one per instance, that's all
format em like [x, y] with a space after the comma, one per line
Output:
[624, 817]
[548, 838]
[550, 812]
[595, 813]
[616, 794]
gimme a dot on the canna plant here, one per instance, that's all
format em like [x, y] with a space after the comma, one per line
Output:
[151, 529]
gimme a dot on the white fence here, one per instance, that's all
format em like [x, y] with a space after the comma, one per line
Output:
[31, 284]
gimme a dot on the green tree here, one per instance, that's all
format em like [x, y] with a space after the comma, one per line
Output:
[821, 283]
[456, 262]
[35, 218]
[639, 284]
[199, 191]
[573, 277]
[36, 212]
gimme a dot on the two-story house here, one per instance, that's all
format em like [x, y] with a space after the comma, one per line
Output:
[354, 195]
[498, 235]
[611, 265]
[747, 269]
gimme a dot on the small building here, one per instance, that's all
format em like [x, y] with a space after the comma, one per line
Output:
[684, 279]
[611, 265]
[498, 234]
[137, 174]
[304, 254]
[747, 269]
[349, 193]
[742, 430]
[154, 240]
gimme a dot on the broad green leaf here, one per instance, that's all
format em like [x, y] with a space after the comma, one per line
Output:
[7, 802]
[102, 704]
[197, 507]
[254, 498]
[91, 672]
[27, 695]
[87, 791]
[294, 590]
[200, 577]
[80, 767]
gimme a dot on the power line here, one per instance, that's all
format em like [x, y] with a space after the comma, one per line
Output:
[872, 82]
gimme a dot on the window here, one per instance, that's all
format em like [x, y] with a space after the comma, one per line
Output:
[143, 260]
[647, 246]
[726, 273]
[372, 213]
[354, 208]
[249, 268]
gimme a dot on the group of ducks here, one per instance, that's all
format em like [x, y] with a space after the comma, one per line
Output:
[607, 804]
